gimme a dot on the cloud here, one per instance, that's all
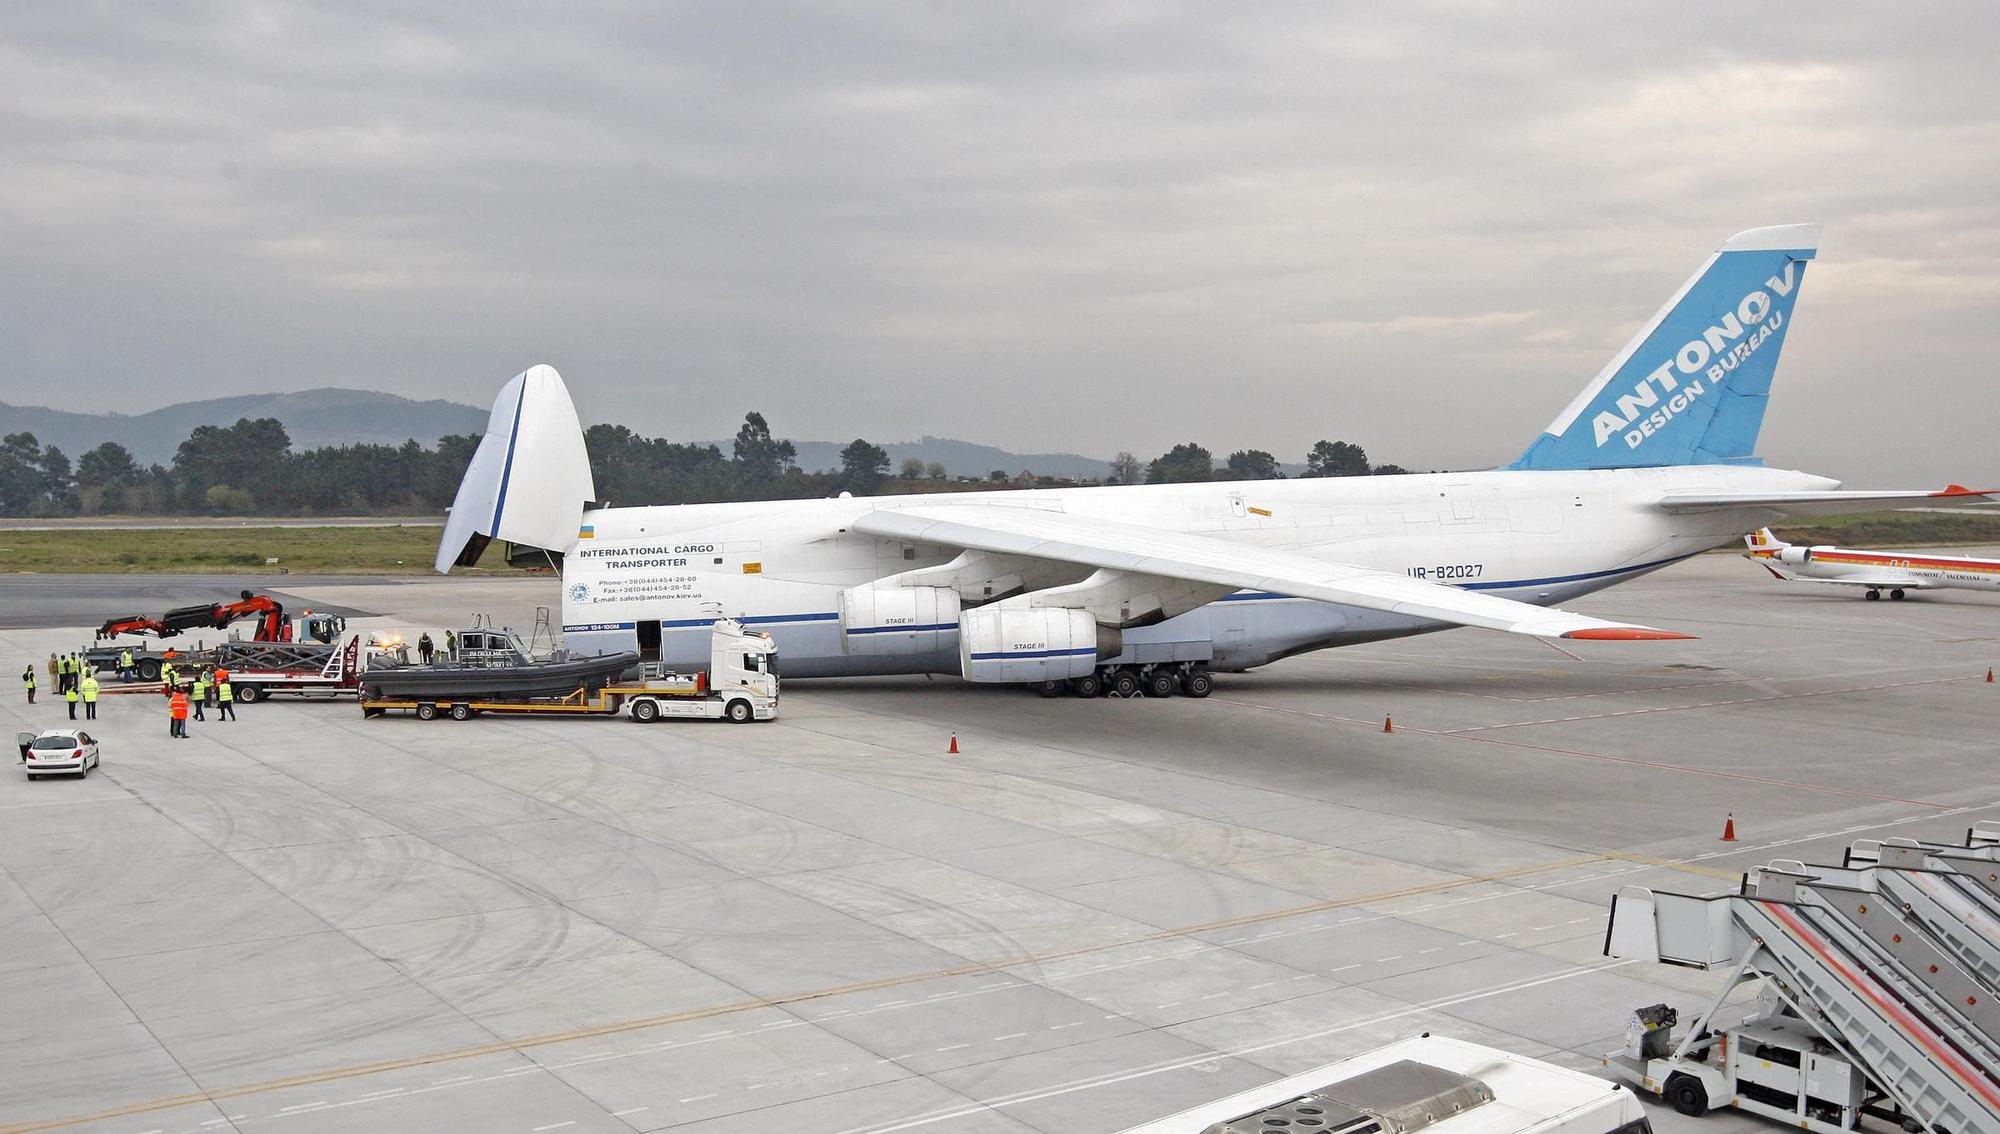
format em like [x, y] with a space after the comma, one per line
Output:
[1419, 227]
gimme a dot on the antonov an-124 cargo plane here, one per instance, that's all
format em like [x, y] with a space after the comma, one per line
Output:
[1155, 587]
[1891, 571]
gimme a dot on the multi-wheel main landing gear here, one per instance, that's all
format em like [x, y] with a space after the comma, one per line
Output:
[1187, 679]
[1875, 593]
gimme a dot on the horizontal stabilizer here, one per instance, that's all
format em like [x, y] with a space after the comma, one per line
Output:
[1825, 503]
[529, 481]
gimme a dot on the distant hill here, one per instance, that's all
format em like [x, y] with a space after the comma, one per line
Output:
[348, 417]
[960, 458]
[312, 417]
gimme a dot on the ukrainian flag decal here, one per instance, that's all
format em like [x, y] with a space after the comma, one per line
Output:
[586, 532]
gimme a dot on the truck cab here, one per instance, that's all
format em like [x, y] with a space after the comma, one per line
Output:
[742, 659]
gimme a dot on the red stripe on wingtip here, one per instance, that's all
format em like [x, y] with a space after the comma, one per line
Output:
[1629, 634]
[1961, 490]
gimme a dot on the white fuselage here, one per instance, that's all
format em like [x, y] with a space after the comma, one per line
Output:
[654, 579]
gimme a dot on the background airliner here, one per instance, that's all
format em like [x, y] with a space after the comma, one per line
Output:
[1154, 587]
[1892, 571]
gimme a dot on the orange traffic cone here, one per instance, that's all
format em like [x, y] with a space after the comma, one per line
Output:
[1989, 675]
[1388, 724]
[953, 750]
[1729, 828]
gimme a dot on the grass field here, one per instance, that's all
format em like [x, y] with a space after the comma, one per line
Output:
[408, 550]
[299, 551]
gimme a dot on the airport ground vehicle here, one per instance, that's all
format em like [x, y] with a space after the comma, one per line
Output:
[1431, 1083]
[1080, 589]
[738, 686]
[260, 669]
[272, 625]
[306, 631]
[1881, 980]
[61, 751]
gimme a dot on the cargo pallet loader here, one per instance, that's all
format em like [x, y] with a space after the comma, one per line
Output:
[1881, 993]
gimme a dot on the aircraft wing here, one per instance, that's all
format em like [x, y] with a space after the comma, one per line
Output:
[1111, 545]
[1823, 503]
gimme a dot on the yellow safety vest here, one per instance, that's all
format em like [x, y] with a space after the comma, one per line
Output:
[90, 689]
[222, 692]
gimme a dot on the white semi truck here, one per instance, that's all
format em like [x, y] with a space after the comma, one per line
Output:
[739, 685]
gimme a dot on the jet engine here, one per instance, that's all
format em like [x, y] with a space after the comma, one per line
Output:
[1797, 556]
[1023, 644]
[878, 620]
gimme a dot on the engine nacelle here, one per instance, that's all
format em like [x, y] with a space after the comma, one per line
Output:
[1015, 644]
[1796, 556]
[897, 620]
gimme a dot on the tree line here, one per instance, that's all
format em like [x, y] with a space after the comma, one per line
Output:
[250, 468]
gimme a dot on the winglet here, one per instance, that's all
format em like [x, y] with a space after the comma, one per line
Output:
[1628, 634]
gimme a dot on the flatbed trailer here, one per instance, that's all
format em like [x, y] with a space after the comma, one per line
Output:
[648, 703]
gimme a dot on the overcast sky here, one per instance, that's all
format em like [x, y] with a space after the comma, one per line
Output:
[1070, 226]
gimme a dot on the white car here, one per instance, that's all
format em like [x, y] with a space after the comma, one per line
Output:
[62, 750]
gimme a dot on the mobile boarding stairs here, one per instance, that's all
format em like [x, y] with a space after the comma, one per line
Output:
[1881, 989]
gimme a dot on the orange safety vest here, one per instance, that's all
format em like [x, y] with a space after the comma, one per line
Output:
[179, 708]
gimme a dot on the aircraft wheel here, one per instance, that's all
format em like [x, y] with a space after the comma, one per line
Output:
[1123, 683]
[1873, 594]
[1049, 688]
[1160, 683]
[1197, 683]
[1089, 685]
[1686, 1094]
[1897, 594]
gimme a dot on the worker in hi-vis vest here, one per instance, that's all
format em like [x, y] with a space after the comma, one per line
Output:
[90, 696]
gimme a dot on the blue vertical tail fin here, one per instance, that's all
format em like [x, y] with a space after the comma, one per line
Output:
[1691, 386]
